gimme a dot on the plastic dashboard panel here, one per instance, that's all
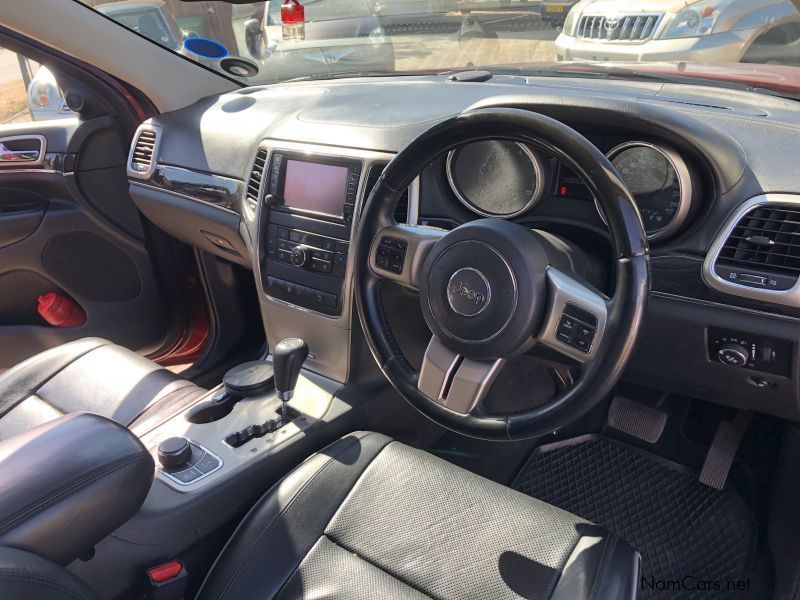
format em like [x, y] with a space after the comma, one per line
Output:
[745, 142]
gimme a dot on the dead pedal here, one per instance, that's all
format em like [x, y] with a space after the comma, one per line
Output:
[636, 419]
[723, 449]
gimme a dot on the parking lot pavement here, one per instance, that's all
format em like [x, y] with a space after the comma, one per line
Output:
[447, 51]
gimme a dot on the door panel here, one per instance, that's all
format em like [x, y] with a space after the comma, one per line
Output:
[69, 226]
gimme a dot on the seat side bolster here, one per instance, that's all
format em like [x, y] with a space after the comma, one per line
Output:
[602, 566]
[288, 520]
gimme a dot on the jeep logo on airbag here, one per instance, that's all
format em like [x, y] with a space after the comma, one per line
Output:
[468, 292]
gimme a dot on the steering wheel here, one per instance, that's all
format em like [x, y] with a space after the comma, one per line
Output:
[490, 289]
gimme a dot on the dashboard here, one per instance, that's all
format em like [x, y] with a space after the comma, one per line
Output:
[273, 177]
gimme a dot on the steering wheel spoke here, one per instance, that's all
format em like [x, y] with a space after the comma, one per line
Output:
[455, 381]
[575, 317]
[399, 251]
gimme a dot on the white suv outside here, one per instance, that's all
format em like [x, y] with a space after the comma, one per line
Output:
[763, 31]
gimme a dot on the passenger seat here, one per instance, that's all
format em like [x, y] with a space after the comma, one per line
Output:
[89, 375]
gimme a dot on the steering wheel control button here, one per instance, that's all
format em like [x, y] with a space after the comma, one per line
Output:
[566, 329]
[577, 328]
[391, 254]
[174, 452]
[469, 292]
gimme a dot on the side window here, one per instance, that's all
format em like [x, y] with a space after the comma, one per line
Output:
[28, 91]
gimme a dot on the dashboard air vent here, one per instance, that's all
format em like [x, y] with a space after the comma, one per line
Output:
[766, 238]
[256, 175]
[141, 160]
[401, 211]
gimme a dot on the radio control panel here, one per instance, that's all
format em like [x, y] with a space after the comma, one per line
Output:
[308, 251]
[305, 268]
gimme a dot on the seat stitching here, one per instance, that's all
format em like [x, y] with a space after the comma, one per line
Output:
[71, 487]
[381, 569]
[40, 579]
[275, 519]
[605, 559]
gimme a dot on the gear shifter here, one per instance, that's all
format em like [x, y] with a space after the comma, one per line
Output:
[287, 360]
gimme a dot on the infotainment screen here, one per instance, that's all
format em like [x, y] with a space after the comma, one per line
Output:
[315, 187]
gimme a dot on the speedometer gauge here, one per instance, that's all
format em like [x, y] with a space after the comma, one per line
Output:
[496, 178]
[660, 183]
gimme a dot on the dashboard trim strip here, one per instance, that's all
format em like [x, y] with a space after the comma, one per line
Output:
[165, 190]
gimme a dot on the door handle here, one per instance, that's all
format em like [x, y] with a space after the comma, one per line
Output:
[22, 150]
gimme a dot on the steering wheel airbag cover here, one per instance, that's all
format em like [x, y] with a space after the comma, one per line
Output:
[487, 265]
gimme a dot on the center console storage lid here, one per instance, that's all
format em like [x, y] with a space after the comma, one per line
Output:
[67, 484]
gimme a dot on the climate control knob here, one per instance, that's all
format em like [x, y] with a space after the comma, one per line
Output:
[301, 256]
[733, 355]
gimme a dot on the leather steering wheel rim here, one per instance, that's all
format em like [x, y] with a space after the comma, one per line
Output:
[631, 256]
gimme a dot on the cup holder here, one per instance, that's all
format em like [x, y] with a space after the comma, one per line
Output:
[212, 410]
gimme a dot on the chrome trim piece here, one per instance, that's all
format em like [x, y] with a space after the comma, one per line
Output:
[470, 384]
[203, 476]
[487, 300]
[437, 369]
[222, 192]
[327, 335]
[420, 240]
[684, 181]
[538, 191]
[413, 202]
[790, 297]
[563, 290]
[23, 157]
[18, 171]
[456, 382]
[631, 28]
[156, 129]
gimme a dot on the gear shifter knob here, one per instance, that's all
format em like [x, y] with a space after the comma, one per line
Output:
[287, 360]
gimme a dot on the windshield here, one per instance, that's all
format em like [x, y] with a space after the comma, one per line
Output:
[756, 42]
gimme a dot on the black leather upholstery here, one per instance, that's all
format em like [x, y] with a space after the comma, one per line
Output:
[69, 483]
[24, 575]
[91, 375]
[369, 517]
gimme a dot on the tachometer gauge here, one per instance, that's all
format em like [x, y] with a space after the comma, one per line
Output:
[496, 178]
[660, 183]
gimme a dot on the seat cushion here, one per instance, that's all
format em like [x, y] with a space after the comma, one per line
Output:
[370, 517]
[90, 375]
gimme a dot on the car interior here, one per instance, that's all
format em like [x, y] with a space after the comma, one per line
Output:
[451, 334]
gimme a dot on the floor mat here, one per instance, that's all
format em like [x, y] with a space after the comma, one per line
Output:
[695, 542]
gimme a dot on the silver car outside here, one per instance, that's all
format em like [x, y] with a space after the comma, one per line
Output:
[766, 31]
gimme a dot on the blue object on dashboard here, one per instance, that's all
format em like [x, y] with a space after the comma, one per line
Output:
[205, 48]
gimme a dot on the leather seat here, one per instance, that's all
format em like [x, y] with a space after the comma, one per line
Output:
[90, 375]
[369, 517]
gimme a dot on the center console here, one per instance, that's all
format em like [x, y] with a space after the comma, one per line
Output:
[302, 203]
[311, 201]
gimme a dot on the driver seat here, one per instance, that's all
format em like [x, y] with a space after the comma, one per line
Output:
[369, 517]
